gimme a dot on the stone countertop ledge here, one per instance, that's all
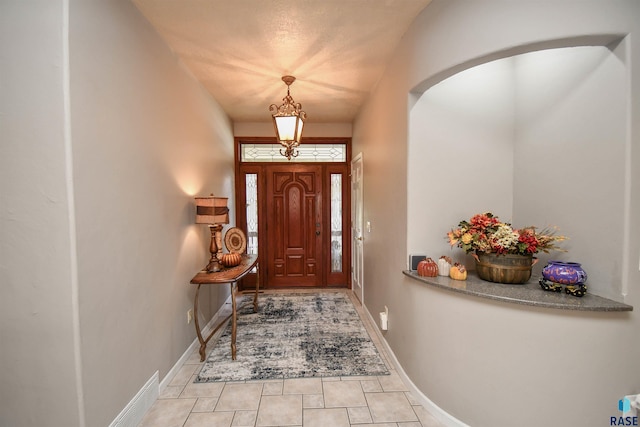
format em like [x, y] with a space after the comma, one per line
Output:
[528, 294]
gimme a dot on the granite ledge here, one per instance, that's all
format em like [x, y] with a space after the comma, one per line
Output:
[527, 294]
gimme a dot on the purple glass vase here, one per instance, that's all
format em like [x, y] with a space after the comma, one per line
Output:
[567, 273]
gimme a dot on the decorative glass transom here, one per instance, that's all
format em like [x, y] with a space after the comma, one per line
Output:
[325, 153]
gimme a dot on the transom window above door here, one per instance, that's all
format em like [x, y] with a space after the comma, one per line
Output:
[317, 153]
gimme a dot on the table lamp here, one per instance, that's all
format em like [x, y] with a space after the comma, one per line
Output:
[214, 212]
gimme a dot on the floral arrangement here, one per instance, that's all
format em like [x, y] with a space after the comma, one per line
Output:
[486, 233]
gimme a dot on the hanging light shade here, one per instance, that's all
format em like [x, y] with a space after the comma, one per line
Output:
[288, 121]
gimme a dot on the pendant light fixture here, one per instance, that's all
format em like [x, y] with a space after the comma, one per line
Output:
[288, 120]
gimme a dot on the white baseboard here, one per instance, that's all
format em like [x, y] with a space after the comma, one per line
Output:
[440, 414]
[194, 345]
[135, 410]
[133, 413]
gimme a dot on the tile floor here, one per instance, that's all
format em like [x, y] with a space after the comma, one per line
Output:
[380, 401]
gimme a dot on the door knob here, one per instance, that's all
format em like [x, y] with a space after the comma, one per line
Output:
[317, 233]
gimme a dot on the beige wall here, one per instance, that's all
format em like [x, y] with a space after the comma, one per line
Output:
[485, 363]
[98, 240]
[38, 365]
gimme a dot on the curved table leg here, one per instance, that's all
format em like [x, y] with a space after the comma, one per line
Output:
[203, 342]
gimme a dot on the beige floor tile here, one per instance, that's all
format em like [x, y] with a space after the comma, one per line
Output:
[312, 401]
[260, 381]
[168, 413]
[194, 358]
[371, 386]
[411, 398]
[303, 386]
[205, 404]
[183, 375]
[272, 388]
[343, 394]
[239, 397]
[359, 415]
[336, 417]
[171, 392]
[410, 424]
[209, 419]
[392, 383]
[356, 378]
[244, 419]
[390, 407]
[202, 389]
[280, 410]
[379, 425]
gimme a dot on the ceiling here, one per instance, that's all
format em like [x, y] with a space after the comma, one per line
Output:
[240, 49]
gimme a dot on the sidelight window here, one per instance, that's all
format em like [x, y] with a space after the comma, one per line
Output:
[251, 189]
[336, 222]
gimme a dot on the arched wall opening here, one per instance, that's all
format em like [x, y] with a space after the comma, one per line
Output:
[540, 138]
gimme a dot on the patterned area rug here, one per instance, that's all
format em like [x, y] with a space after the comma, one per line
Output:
[295, 336]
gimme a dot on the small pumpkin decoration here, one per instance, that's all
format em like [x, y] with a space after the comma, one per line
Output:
[427, 268]
[230, 259]
[444, 265]
[458, 272]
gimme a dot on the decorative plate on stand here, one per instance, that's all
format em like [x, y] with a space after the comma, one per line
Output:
[235, 240]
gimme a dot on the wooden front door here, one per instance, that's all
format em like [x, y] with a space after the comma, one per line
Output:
[296, 214]
[294, 227]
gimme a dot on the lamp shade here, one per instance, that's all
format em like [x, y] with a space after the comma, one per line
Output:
[212, 210]
[288, 128]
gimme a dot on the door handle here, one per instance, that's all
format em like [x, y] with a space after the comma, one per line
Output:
[317, 233]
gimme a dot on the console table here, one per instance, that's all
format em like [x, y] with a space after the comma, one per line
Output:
[231, 276]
